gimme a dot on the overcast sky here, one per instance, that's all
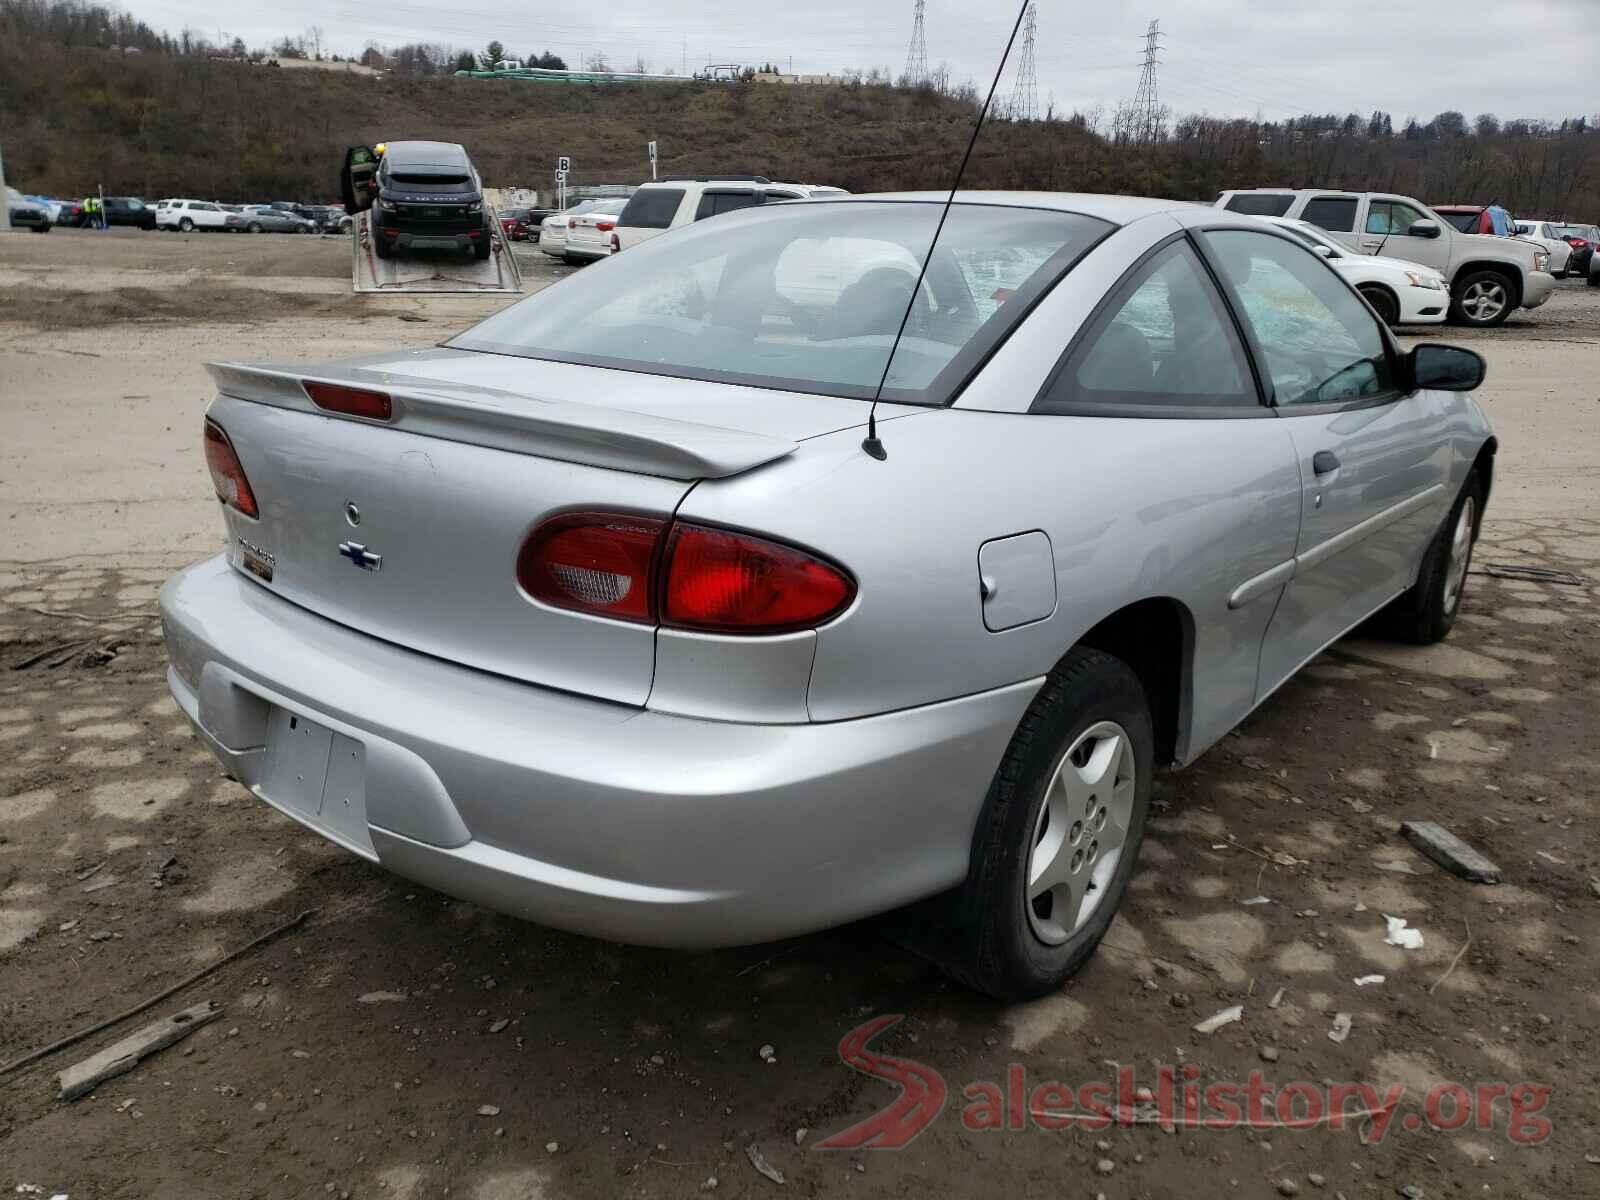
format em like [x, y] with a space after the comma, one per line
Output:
[1516, 58]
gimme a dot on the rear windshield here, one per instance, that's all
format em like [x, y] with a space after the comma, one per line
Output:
[805, 297]
[1466, 222]
[652, 208]
[1254, 204]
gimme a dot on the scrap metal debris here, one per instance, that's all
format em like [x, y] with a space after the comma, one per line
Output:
[1364, 980]
[1535, 574]
[1342, 1024]
[759, 1161]
[1399, 935]
[1217, 1020]
[1450, 852]
[121, 1057]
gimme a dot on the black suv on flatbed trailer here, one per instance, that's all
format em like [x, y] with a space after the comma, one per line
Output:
[421, 194]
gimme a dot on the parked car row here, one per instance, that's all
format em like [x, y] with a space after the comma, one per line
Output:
[282, 216]
[1489, 274]
[595, 229]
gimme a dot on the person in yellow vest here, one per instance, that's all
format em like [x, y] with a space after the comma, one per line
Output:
[91, 210]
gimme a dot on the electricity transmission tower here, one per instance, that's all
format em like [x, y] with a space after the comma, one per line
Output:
[917, 55]
[1145, 119]
[1025, 96]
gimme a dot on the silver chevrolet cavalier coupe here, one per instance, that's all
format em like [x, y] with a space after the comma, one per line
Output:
[606, 614]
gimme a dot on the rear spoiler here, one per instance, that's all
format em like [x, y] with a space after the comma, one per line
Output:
[569, 432]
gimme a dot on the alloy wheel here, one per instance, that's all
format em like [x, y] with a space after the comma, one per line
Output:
[1455, 579]
[1080, 832]
[1484, 300]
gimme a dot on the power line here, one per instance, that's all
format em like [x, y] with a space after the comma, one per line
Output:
[917, 54]
[1145, 119]
[1025, 96]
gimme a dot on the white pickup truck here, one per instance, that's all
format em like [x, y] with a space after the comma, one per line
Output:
[1489, 276]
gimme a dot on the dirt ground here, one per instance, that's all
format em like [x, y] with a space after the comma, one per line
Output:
[402, 1044]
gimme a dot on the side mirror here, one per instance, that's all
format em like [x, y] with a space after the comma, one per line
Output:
[1324, 251]
[1423, 229]
[1446, 368]
[356, 179]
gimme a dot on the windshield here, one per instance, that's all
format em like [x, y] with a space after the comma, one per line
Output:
[805, 298]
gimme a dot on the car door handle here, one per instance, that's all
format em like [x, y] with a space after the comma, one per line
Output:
[1324, 462]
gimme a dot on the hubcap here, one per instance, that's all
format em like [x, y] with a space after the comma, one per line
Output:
[1484, 301]
[1455, 580]
[1080, 833]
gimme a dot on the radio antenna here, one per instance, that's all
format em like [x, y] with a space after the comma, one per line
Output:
[870, 443]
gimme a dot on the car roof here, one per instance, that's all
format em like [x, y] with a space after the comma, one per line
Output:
[1119, 210]
[426, 154]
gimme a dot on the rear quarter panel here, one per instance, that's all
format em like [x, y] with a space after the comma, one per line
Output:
[1134, 509]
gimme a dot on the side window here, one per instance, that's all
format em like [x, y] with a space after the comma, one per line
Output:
[1336, 214]
[651, 208]
[1257, 204]
[712, 203]
[1318, 342]
[1163, 342]
[1391, 217]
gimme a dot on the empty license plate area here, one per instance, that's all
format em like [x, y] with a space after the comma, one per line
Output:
[317, 776]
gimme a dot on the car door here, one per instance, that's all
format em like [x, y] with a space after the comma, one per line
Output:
[208, 216]
[1206, 501]
[357, 177]
[1388, 221]
[1373, 460]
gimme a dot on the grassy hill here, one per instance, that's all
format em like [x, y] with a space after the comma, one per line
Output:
[155, 125]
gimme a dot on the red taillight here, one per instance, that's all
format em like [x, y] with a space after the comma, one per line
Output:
[227, 474]
[601, 563]
[727, 582]
[352, 401]
[688, 576]
[605, 226]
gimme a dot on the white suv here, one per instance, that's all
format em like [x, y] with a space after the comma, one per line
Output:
[659, 206]
[187, 215]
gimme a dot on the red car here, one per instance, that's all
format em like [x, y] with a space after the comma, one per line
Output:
[514, 224]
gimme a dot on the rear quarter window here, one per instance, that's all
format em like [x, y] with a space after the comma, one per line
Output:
[1254, 204]
[652, 208]
[1336, 214]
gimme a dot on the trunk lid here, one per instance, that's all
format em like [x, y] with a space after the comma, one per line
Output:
[409, 530]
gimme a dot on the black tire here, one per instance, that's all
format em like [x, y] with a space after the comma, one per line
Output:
[255, 226]
[1472, 297]
[990, 942]
[381, 246]
[1383, 303]
[480, 250]
[1427, 612]
[1594, 278]
[186, 225]
[1559, 274]
[41, 229]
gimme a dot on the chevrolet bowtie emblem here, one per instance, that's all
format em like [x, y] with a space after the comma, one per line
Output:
[361, 556]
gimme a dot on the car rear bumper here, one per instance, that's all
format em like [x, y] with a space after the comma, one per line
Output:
[591, 253]
[598, 818]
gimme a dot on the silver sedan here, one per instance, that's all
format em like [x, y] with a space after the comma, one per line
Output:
[613, 612]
